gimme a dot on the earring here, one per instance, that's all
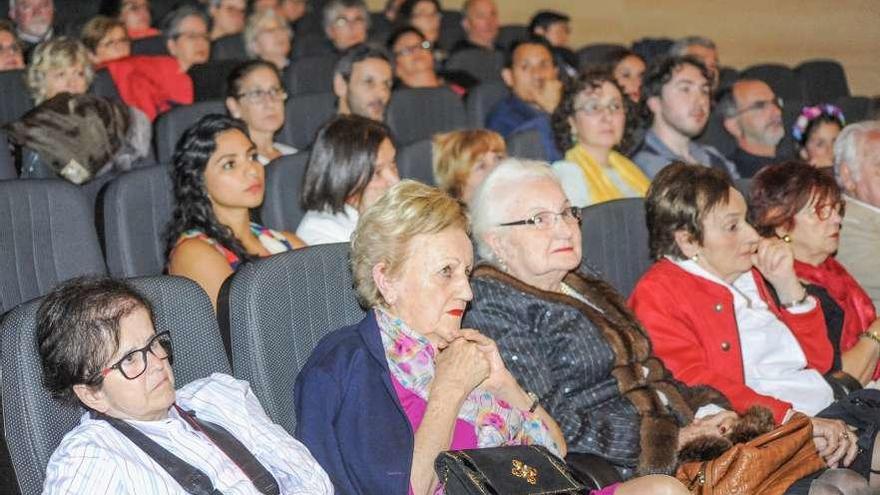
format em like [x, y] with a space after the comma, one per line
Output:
[501, 265]
[696, 257]
[574, 136]
[786, 239]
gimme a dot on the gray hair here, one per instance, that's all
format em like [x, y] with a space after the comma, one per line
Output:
[847, 146]
[171, 22]
[681, 45]
[254, 26]
[334, 7]
[488, 205]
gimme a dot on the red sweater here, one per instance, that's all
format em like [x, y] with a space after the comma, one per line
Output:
[693, 328]
[152, 84]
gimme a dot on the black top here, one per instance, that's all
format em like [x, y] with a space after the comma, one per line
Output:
[748, 164]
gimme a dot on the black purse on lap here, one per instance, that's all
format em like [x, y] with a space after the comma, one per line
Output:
[516, 470]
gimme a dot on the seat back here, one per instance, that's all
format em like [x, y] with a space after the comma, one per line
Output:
[484, 65]
[615, 240]
[822, 81]
[171, 125]
[310, 74]
[450, 29]
[209, 79]
[414, 161]
[48, 237]
[284, 179]
[153, 45]
[509, 34]
[15, 99]
[780, 78]
[311, 45]
[481, 99]
[417, 113]
[35, 422]
[278, 309]
[527, 144]
[714, 134]
[596, 53]
[103, 86]
[304, 115]
[7, 161]
[855, 108]
[136, 209]
[230, 47]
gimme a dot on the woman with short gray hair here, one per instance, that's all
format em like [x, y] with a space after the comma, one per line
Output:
[267, 36]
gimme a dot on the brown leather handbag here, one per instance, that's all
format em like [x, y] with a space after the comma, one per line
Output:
[766, 465]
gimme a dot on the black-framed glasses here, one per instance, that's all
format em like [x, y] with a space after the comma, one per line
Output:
[134, 363]
[403, 52]
[762, 105]
[547, 219]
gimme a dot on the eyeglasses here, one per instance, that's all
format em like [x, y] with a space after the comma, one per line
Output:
[548, 219]
[823, 211]
[593, 108]
[762, 105]
[423, 46]
[133, 364]
[114, 43]
[12, 48]
[342, 22]
[193, 36]
[426, 15]
[258, 95]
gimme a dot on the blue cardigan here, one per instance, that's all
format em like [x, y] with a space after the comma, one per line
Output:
[349, 416]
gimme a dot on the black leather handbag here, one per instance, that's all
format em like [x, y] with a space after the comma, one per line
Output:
[517, 470]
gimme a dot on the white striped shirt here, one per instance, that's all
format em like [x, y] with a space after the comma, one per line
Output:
[95, 458]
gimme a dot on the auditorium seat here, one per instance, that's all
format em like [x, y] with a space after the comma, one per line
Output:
[171, 125]
[822, 81]
[103, 86]
[590, 55]
[284, 177]
[781, 78]
[136, 209]
[311, 45]
[714, 134]
[414, 161]
[35, 422]
[450, 29]
[276, 310]
[481, 99]
[303, 116]
[508, 34]
[484, 65]
[7, 161]
[310, 75]
[727, 76]
[209, 79]
[153, 45]
[417, 113]
[527, 144]
[230, 47]
[855, 108]
[614, 237]
[48, 237]
[15, 99]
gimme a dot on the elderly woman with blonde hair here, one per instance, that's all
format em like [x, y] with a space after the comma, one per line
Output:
[59, 65]
[462, 159]
[267, 36]
[407, 381]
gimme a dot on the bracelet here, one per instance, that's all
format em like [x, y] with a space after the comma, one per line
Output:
[872, 334]
[535, 403]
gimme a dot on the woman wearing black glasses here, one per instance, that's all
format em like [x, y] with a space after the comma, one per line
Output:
[100, 350]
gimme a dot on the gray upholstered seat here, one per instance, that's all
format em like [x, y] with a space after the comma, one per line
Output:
[137, 207]
[171, 125]
[15, 99]
[35, 422]
[481, 99]
[303, 116]
[417, 113]
[414, 162]
[277, 309]
[615, 240]
[310, 74]
[822, 81]
[527, 144]
[485, 65]
[7, 161]
[596, 53]
[781, 78]
[284, 178]
[230, 47]
[48, 237]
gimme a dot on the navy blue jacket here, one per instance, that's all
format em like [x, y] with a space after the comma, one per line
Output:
[349, 416]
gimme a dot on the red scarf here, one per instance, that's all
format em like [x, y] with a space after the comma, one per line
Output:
[858, 309]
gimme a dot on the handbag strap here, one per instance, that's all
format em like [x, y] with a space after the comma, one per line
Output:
[188, 477]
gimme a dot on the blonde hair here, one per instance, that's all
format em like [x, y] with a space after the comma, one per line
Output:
[383, 232]
[455, 154]
[254, 27]
[57, 53]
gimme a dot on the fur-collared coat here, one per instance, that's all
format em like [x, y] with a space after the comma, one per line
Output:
[591, 367]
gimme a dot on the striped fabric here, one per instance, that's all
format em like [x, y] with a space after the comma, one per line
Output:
[96, 459]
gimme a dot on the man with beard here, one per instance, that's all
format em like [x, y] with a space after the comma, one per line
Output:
[362, 81]
[676, 92]
[33, 21]
[753, 115]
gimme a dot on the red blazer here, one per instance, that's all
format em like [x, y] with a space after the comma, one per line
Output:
[151, 83]
[693, 329]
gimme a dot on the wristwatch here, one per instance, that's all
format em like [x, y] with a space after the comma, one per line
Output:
[535, 403]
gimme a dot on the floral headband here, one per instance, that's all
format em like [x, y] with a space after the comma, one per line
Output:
[809, 114]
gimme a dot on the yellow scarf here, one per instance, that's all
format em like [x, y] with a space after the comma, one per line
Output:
[600, 186]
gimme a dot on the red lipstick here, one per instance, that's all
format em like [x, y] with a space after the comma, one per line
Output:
[456, 312]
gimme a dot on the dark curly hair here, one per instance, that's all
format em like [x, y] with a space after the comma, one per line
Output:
[589, 80]
[192, 207]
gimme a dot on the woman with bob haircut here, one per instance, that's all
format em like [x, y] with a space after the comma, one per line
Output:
[59, 65]
[217, 182]
[804, 207]
[408, 381]
[106, 39]
[99, 349]
[462, 159]
[351, 165]
[268, 36]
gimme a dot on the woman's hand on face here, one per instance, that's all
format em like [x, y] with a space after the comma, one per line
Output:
[460, 368]
[835, 441]
[775, 260]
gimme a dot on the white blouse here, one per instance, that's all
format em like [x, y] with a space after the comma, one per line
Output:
[324, 227]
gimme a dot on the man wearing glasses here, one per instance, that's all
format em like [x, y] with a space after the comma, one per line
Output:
[753, 116]
[100, 350]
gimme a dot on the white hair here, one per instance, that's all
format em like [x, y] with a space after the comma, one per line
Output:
[254, 27]
[848, 146]
[493, 196]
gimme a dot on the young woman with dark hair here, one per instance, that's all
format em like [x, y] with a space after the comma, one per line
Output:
[217, 181]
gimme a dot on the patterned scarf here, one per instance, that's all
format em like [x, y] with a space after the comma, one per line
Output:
[600, 186]
[858, 309]
[411, 361]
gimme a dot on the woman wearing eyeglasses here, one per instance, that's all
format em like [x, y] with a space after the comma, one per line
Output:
[567, 336]
[591, 122]
[255, 95]
[803, 206]
[415, 63]
[100, 350]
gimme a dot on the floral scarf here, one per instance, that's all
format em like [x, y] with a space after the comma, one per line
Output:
[411, 361]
